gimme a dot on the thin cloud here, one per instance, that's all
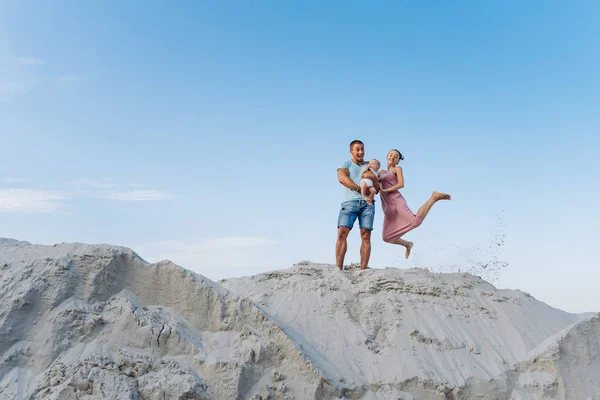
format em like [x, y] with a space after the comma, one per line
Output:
[104, 188]
[30, 61]
[31, 201]
[105, 183]
[69, 78]
[35, 200]
[90, 182]
[17, 77]
[12, 89]
[138, 195]
[13, 180]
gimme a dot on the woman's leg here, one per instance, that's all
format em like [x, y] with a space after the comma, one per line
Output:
[406, 244]
[435, 196]
[423, 211]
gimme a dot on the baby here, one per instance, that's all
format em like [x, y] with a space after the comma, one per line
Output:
[366, 185]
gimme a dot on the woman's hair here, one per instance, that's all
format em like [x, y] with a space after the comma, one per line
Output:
[397, 151]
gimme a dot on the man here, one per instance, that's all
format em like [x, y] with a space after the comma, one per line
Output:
[354, 206]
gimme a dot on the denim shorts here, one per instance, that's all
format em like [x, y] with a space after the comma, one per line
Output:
[357, 209]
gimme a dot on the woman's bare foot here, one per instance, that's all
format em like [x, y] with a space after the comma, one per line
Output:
[441, 196]
[408, 248]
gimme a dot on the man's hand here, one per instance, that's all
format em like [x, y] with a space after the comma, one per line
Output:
[370, 175]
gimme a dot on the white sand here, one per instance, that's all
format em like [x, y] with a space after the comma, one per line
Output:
[98, 322]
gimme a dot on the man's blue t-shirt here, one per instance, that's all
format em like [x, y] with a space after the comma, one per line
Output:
[355, 175]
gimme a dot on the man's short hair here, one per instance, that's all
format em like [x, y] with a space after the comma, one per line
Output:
[352, 143]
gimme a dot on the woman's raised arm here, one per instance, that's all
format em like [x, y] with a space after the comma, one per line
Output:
[400, 177]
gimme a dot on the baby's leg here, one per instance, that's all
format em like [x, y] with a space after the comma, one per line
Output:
[364, 190]
[372, 195]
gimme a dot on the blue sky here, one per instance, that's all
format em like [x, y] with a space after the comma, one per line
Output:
[209, 133]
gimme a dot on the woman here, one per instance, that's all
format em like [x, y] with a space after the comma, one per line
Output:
[398, 218]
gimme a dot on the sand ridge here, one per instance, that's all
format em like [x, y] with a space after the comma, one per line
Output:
[97, 321]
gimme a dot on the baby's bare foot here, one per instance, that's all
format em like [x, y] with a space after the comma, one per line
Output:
[408, 248]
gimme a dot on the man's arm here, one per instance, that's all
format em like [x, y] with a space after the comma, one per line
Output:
[344, 178]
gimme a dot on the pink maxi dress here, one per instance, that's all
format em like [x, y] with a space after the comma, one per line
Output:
[397, 217]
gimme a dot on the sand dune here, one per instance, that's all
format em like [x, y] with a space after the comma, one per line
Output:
[98, 322]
